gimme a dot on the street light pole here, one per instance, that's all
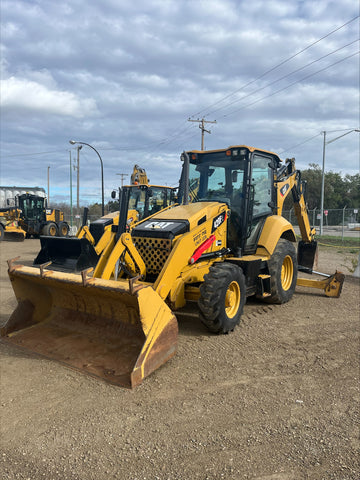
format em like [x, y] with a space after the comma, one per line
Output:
[323, 174]
[71, 202]
[322, 188]
[78, 180]
[48, 178]
[73, 142]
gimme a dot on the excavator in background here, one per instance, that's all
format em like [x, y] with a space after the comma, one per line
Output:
[139, 176]
[138, 200]
[117, 322]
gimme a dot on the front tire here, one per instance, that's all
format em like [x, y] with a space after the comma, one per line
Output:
[2, 232]
[283, 271]
[222, 297]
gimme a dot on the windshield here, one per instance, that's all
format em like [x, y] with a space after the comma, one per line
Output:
[31, 207]
[149, 200]
[217, 181]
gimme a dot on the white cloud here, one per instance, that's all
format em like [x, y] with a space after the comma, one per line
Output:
[28, 95]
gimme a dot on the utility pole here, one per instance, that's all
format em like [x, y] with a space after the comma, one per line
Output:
[78, 179]
[71, 203]
[122, 177]
[48, 178]
[202, 128]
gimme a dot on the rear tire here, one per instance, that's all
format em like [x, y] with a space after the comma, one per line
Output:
[223, 296]
[2, 232]
[63, 229]
[283, 270]
[50, 229]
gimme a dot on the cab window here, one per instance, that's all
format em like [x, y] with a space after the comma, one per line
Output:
[262, 181]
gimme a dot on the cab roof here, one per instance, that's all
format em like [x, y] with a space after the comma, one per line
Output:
[250, 149]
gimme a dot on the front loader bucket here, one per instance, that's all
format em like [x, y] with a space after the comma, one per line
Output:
[108, 329]
[70, 254]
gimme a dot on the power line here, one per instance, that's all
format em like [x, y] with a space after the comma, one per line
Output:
[291, 84]
[302, 143]
[285, 76]
[31, 154]
[178, 134]
[276, 66]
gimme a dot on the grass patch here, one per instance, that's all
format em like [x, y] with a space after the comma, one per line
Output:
[349, 242]
[352, 244]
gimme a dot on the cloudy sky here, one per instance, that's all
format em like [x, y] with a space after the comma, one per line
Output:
[126, 76]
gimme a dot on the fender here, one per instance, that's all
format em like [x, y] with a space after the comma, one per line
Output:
[275, 227]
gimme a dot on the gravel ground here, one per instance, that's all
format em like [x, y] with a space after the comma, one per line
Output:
[278, 399]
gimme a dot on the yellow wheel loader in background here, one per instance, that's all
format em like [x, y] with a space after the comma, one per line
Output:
[229, 243]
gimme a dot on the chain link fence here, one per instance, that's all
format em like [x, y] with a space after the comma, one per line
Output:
[345, 219]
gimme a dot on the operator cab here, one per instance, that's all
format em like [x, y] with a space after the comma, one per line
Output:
[243, 178]
[32, 206]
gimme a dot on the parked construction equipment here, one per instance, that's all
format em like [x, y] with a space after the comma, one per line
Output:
[9, 224]
[37, 218]
[139, 176]
[229, 243]
[138, 201]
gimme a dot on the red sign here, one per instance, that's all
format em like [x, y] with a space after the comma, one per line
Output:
[326, 212]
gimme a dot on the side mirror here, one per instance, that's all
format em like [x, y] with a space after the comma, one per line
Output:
[113, 194]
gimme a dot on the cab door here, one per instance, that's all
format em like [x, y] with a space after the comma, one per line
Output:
[262, 198]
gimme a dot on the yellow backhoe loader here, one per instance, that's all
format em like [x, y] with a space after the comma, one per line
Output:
[229, 243]
[74, 254]
[139, 176]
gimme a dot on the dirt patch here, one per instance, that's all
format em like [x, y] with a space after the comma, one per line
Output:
[278, 399]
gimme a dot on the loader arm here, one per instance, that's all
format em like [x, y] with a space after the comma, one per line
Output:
[84, 232]
[134, 262]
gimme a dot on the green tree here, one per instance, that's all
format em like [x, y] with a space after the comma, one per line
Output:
[312, 176]
[338, 192]
[95, 210]
[112, 206]
[334, 191]
[352, 190]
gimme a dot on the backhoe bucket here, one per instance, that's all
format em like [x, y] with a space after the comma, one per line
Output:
[71, 254]
[116, 330]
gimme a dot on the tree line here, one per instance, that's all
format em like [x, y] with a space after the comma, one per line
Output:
[339, 191]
